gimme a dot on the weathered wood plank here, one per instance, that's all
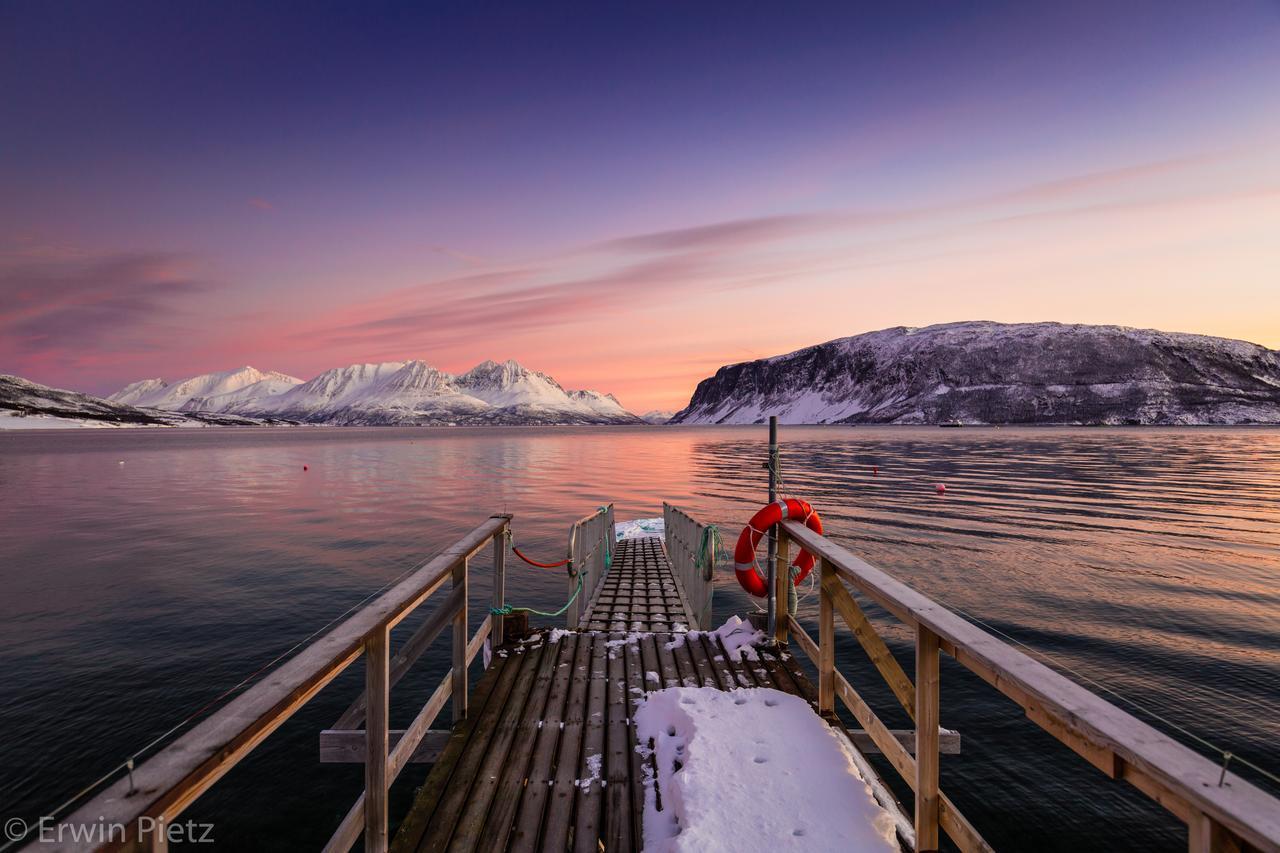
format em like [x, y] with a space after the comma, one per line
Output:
[506, 799]
[452, 801]
[475, 808]
[526, 831]
[416, 823]
[618, 827]
[559, 817]
[591, 764]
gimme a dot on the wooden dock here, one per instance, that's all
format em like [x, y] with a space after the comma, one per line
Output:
[541, 753]
[517, 773]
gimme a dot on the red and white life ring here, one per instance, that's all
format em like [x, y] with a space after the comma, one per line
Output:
[744, 555]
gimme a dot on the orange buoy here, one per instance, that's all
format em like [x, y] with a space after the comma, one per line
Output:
[941, 488]
[744, 555]
[304, 467]
[875, 470]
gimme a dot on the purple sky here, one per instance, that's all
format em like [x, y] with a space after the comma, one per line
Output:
[624, 198]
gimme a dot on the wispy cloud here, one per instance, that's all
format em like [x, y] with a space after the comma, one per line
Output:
[261, 204]
[119, 303]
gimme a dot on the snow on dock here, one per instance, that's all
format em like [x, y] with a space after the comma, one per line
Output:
[752, 770]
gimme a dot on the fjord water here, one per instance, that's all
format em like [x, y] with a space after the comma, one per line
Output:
[146, 572]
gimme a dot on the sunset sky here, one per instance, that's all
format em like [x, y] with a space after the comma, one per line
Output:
[623, 198]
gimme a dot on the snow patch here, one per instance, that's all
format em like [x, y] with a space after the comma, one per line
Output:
[639, 528]
[720, 755]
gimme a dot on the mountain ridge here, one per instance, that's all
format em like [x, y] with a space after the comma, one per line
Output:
[388, 393]
[982, 372]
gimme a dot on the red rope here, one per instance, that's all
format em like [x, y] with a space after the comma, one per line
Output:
[563, 562]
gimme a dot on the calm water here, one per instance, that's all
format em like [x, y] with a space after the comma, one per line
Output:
[131, 594]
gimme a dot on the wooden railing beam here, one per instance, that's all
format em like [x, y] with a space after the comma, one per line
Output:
[409, 653]
[871, 642]
[1172, 774]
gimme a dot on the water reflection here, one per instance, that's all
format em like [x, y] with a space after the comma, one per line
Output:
[1145, 559]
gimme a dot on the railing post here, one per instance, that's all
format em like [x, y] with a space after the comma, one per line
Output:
[826, 641]
[499, 585]
[460, 643]
[377, 677]
[571, 614]
[1205, 835]
[771, 558]
[782, 579]
[156, 840]
[927, 721]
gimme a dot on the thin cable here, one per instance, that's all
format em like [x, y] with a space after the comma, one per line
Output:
[1227, 755]
[243, 682]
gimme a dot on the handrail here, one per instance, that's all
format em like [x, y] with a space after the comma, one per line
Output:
[591, 541]
[164, 785]
[693, 559]
[1219, 807]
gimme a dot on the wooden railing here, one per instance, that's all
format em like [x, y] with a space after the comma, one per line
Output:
[1222, 811]
[590, 552]
[158, 791]
[693, 558]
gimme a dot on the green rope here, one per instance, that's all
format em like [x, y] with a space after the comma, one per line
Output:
[507, 609]
[709, 550]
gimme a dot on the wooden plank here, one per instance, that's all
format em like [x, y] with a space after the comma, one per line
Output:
[416, 823]
[666, 660]
[871, 642]
[706, 676]
[377, 669]
[927, 701]
[590, 790]
[559, 817]
[506, 800]
[475, 809]
[649, 658]
[452, 800]
[635, 692]
[178, 774]
[619, 746]
[533, 802]
[725, 677]
[412, 649]
[1189, 780]
[684, 662]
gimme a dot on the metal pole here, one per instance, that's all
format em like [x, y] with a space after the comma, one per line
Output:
[772, 563]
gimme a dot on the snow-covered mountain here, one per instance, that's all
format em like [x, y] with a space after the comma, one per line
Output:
[210, 392]
[657, 417]
[396, 392]
[983, 372]
[29, 405]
